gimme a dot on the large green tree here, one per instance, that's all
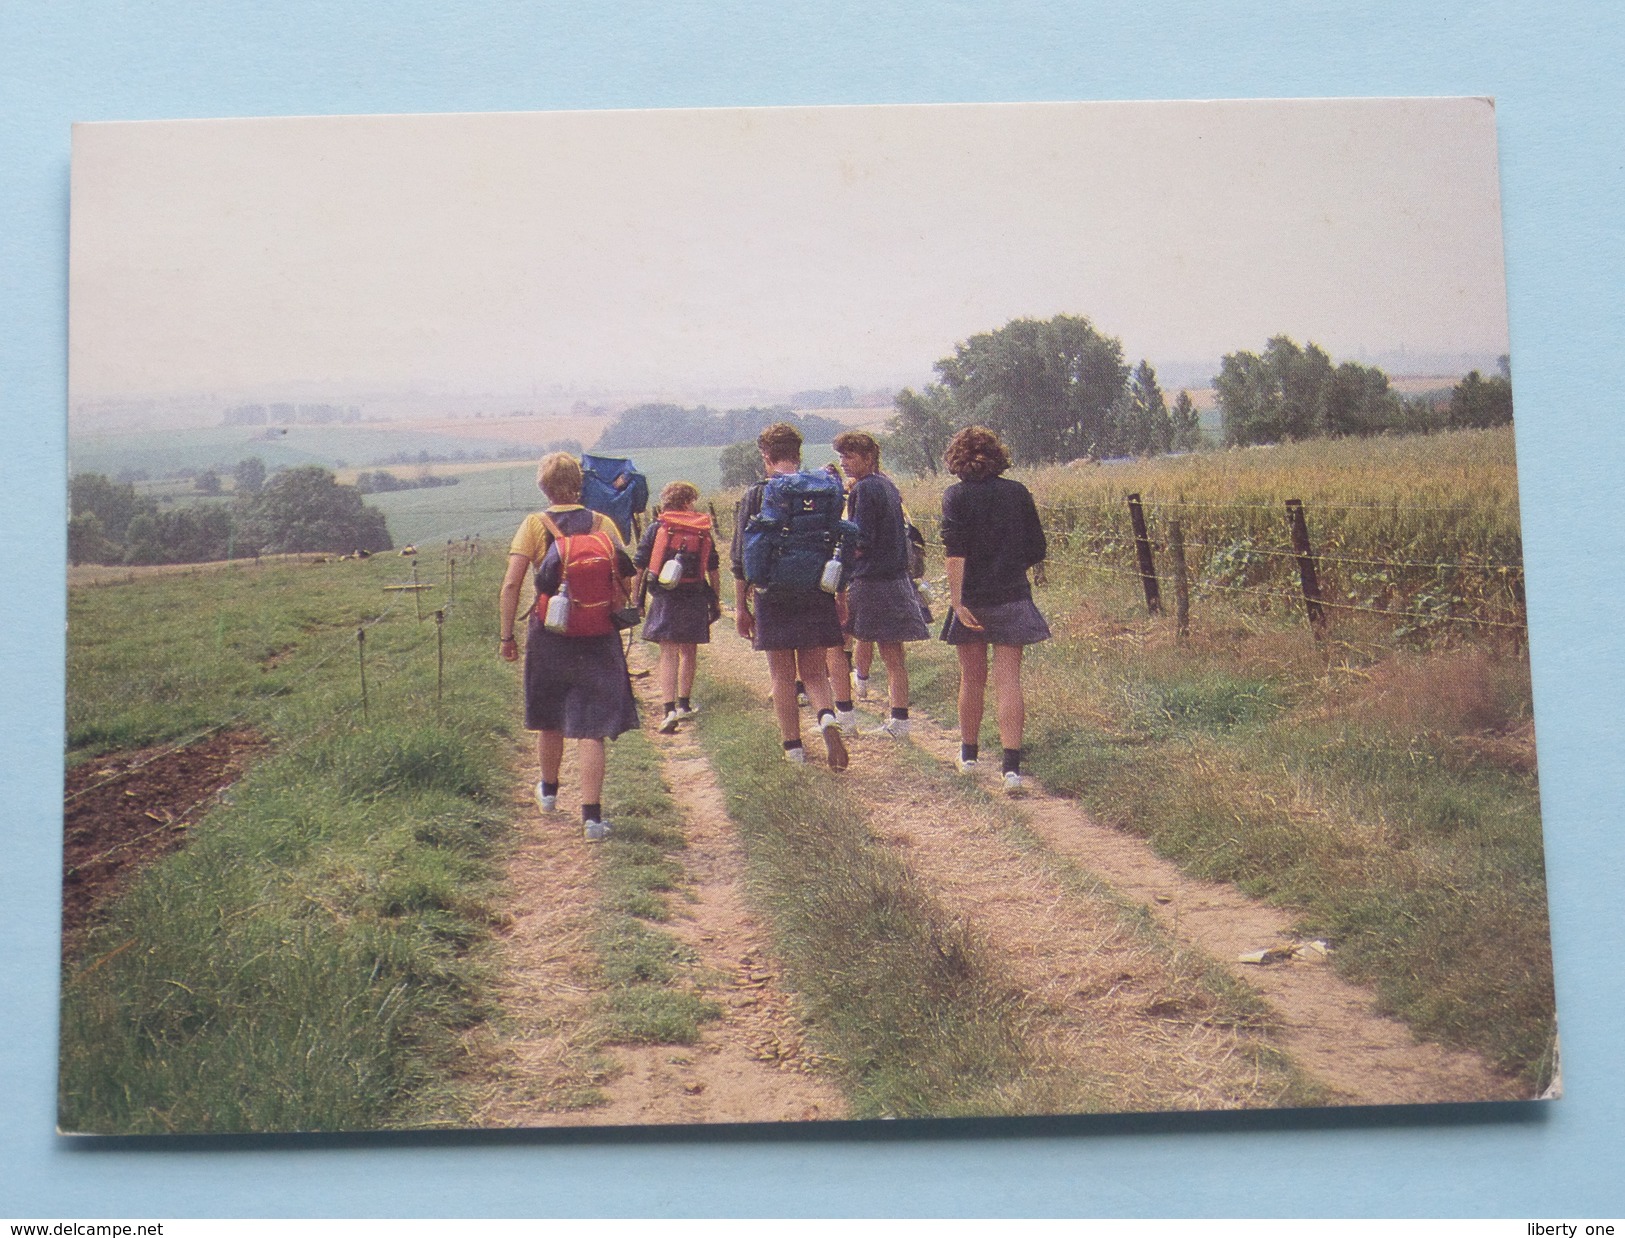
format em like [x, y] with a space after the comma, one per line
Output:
[250, 475]
[919, 430]
[741, 464]
[1187, 423]
[1290, 392]
[1478, 402]
[1046, 388]
[306, 509]
[114, 504]
[1145, 429]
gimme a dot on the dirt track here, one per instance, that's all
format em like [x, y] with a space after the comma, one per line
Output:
[1116, 1025]
[752, 1065]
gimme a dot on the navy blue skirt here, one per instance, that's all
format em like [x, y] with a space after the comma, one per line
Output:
[679, 616]
[800, 619]
[1003, 623]
[884, 610]
[577, 684]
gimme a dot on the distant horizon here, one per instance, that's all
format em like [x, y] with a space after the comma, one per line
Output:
[678, 254]
[434, 399]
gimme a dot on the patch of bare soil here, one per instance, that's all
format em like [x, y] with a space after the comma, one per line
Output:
[752, 1065]
[120, 812]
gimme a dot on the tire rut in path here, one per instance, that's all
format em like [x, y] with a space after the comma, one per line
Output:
[751, 1065]
[1329, 1026]
[1109, 1021]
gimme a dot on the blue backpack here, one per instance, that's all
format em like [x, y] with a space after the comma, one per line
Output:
[613, 486]
[797, 531]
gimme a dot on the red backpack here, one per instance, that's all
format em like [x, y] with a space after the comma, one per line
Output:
[589, 576]
[687, 536]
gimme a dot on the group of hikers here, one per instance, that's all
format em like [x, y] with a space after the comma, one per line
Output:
[825, 564]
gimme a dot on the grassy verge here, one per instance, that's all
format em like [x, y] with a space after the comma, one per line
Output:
[1387, 796]
[653, 995]
[1188, 981]
[895, 989]
[303, 963]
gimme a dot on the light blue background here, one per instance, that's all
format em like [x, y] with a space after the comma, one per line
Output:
[1557, 76]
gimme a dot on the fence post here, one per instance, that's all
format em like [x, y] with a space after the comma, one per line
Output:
[1182, 588]
[361, 657]
[1142, 550]
[439, 656]
[1306, 568]
[417, 597]
[451, 582]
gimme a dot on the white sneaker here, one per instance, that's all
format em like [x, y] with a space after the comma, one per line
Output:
[801, 698]
[891, 728]
[964, 766]
[796, 756]
[547, 803]
[687, 711]
[1012, 783]
[596, 831]
[669, 725]
[847, 720]
[861, 683]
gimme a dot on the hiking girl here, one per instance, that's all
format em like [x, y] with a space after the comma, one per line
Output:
[678, 567]
[991, 536]
[882, 605]
[789, 617]
[576, 683]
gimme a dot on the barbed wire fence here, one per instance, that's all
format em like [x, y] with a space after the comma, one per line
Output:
[1235, 551]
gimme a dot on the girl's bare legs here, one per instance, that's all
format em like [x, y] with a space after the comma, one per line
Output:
[687, 655]
[781, 669]
[550, 754]
[667, 670]
[1007, 690]
[840, 675]
[863, 657]
[972, 690]
[814, 668]
[590, 757]
[891, 653]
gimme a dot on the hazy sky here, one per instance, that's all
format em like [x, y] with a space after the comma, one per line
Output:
[779, 248]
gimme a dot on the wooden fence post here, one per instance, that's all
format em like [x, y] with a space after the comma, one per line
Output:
[1142, 550]
[417, 597]
[1306, 568]
[1182, 588]
[439, 656]
[361, 657]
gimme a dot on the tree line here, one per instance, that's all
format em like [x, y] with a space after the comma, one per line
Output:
[1052, 390]
[1060, 389]
[384, 482]
[672, 425]
[298, 509]
[1288, 393]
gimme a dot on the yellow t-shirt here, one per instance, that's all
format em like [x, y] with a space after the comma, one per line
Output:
[533, 539]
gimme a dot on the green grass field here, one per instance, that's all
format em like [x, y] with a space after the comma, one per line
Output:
[157, 453]
[310, 958]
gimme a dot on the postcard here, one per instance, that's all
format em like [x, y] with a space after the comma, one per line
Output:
[651, 618]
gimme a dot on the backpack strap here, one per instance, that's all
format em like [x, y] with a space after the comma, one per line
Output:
[552, 529]
[657, 552]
